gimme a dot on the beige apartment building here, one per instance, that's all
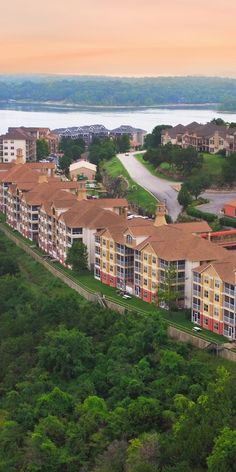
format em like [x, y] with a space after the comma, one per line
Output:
[204, 138]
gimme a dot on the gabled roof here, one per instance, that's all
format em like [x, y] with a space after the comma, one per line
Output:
[225, 268]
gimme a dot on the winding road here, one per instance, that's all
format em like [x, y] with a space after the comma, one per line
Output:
[160, 188]
[163, 189]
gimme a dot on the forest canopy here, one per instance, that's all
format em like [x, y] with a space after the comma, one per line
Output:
[85, 389]
[112, 91]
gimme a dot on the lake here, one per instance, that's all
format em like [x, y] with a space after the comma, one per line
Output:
[145, 118]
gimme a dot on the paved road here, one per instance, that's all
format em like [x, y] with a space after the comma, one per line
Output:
[217, 201]
[163, 191]
[160, 188]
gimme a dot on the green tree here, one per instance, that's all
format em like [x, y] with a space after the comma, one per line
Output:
[153, 139]
[222, 458]
[229, 169]
[122, 143]
[168, 292]
[42, 149]
[196, 185]
[77, 256]
[8, 266]
[65, 352]
[184, 197]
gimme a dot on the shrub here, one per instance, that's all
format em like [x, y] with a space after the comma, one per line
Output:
[200, 214]
[227, 221]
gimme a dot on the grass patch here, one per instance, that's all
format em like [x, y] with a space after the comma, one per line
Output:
[136, 194]
[152, 169]
[212, 167]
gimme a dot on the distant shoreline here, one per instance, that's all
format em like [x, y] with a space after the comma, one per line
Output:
[125, 107]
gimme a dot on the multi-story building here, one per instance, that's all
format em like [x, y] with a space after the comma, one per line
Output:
[43, 133]
[136, 135]
[30, 172]
[204, 138]
[87, 133]
[135, 257]
[62, 222]
[214, 296]
[14, 139]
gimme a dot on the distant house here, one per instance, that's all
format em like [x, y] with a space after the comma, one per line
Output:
[83, 168]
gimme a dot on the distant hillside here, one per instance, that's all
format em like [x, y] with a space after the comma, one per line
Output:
[111, 91]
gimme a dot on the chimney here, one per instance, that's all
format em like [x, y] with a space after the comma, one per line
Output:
[81, 194]
[42, 179]
[19, 156]
[160, 219]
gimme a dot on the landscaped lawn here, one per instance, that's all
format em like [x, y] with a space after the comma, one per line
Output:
[136, 194]
[153, 170]
[212, 167]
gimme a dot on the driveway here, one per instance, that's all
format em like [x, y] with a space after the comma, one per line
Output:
[160, 188]
[163, 189]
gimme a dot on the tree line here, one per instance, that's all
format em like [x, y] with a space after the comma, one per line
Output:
[120, 91]
[84, 389]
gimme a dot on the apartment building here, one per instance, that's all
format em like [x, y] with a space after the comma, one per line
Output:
[136, 135]
[135, 256]
[63, 222]
[204, 138]
[14, 140]
[46, 134]
[19, 172]
[87, 132]
[213, 296]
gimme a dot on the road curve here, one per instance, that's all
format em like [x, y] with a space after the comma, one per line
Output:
[160, 188]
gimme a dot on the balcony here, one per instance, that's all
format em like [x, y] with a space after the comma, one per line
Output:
[196, 307]
[229, 291]
[229, 306]
[197, 293]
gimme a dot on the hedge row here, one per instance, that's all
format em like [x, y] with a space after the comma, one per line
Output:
[192, 211]
[226, 221]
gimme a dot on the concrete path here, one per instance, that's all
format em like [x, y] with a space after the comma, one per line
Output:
[160, 188]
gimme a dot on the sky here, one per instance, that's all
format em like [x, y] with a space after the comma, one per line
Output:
[119, 37]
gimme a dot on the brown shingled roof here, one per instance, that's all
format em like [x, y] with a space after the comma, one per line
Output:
[225, 268]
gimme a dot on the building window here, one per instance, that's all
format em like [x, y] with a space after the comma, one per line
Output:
[216, 312]
[111, 268]
[217, 298]
[206, 280]
[145, 257]
[111, 257]
[205, 321]
[129, 239]
[104, 265]
[217, 284]
[205, 293]
[216, 325]
[145, 294]
[111, 244]
[145, 282]
[205, 307]
[154, 260]
[104, 242]
[111, 280]
[145, 269]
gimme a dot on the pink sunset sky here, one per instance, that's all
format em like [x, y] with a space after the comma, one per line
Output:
[119, 37]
